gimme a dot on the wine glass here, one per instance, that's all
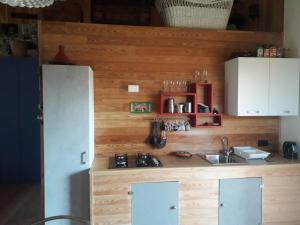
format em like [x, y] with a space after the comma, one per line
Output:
[165, 85]
[197, 76]
[184, 86]
[172, 85]
[178, 85]
[204, 76]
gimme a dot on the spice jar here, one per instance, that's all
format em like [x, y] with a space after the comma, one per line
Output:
[273, 51]
[266, 51]
[259, 51]
[280, 53]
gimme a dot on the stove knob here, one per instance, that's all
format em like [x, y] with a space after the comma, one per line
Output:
[155, 161]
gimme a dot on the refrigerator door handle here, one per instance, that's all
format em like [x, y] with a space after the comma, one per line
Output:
[83, 158]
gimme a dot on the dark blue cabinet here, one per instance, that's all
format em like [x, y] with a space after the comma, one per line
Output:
[240, 201]
[154, 203]
[19, 128]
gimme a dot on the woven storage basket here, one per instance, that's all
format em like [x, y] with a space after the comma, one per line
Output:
[210, 14]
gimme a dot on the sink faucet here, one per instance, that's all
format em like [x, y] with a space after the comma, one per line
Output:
[226, 150]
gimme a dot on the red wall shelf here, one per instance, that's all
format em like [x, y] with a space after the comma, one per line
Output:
[199, 92]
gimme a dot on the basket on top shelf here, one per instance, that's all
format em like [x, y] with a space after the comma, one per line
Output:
[207, 14]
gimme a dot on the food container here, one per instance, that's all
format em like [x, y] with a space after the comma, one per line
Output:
[170, 104]
[280, 53]
[273, 52]
[179, 108]
[188, 107]
[259, 51]
[266, 51]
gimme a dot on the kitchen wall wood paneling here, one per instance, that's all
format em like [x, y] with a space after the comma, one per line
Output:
[122, 55]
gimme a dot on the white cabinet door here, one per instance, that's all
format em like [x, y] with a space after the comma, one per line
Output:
[253, 86]
[284, 87]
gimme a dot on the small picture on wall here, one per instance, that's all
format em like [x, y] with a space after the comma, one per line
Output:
[141, 107]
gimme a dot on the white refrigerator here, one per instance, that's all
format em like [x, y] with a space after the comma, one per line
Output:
[68, 139]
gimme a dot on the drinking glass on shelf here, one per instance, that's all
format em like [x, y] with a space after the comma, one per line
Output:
[166, 84]
[184, 86]
[172, 86]
[197, 76]
[204, 76]
[178, 85]
[164, 88]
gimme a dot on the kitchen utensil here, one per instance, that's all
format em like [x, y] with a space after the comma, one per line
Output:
[179, 108]
[290, 150]
[188, 107]
[182, 154]
[158, 137]
[170, 104]
[202, 108]
[248, 152]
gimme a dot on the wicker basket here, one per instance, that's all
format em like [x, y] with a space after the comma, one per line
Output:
[209, 14]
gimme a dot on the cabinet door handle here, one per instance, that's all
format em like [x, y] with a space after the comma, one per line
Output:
[83, 157]
[173, 207]
[221, 205]
[40, 118]
[253, 112]
[285, 111]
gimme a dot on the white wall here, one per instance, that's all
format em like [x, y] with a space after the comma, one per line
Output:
[290, 126]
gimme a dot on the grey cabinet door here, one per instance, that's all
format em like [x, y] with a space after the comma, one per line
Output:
[154, 203]
[240, 201]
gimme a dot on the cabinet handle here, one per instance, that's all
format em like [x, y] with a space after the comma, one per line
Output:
[221, 205]
[285, 111]
[253, 112]
[83, 158]
[40, 118]
[173, 207]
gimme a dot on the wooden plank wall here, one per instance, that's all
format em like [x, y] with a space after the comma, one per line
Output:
[122, 55]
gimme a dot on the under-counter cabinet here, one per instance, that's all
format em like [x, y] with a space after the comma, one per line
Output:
[154, 203]
[262, 86]
[240, 201]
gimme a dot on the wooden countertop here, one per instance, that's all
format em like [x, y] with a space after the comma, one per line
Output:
[100, 164]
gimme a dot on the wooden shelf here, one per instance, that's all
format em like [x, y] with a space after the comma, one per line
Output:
[177, 114]
[206, 114]
[209, 126]
[199, 92]
[170, 94]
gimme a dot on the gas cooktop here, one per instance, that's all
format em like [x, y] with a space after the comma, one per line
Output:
[140, 160]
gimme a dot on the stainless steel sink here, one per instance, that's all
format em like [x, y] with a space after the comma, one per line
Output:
[219, 159]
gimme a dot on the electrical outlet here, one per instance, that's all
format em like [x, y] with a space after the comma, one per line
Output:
[262, 143]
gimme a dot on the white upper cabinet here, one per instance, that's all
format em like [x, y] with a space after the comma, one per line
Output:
[284, 87]
[262, 87]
